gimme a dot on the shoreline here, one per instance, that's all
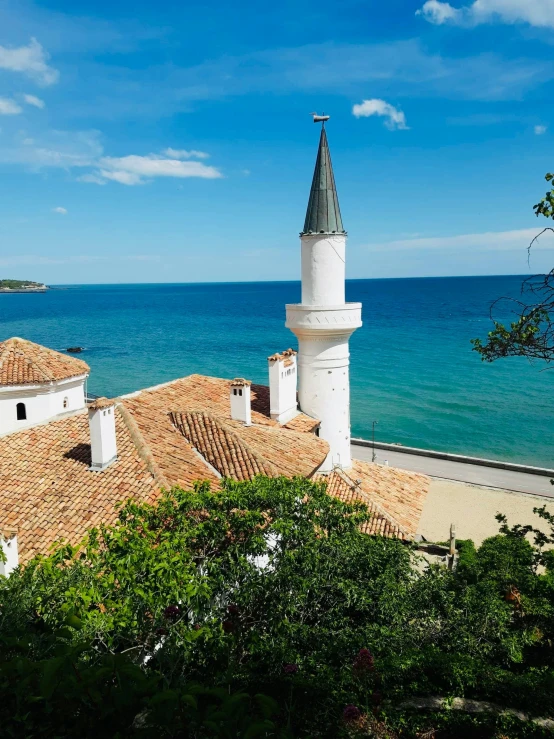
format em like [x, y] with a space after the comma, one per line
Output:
[472, 471]
[454, 457]
[7, 290]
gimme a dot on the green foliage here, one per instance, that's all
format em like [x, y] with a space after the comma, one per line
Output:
[546, 206]
[524, 337]
[268, 595]
[70, 694]
[531, 334]
[18, 284]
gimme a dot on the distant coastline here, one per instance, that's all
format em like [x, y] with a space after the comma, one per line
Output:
[22, 286]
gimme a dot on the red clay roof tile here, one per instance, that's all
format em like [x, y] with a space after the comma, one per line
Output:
[25, 363]
[176, 434]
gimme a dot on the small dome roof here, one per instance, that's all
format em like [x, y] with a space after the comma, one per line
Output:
[24, 363]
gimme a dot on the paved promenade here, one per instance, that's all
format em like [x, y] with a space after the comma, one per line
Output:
[474, 474]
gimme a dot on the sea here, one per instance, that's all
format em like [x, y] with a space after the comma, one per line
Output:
[415, 379]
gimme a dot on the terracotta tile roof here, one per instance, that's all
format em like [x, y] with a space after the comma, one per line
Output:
[284, 451]
[291, 452]
[176, 461]
[221, 446]
[285, 356]
[401, 494]
[176, 434]
[341, 486]
[395, 497]
[240, 382]
[304, 423]
[261, 404]
[100, 403]
[23, 363]
[48, 492]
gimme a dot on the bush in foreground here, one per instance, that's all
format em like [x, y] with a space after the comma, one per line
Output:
[262, 610]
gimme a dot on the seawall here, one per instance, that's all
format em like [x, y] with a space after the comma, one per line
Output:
[461, 458]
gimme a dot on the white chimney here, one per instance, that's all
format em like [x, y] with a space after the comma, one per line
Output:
[240, 401]
[8, 544]
[103, 445]
[282, 386]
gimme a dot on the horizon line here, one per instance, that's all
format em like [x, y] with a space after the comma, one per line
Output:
[297, 281]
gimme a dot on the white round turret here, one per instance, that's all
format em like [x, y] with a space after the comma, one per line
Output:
[323, 268]
[37, 384]
[323, 322]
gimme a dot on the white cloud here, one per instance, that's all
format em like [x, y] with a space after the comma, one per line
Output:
[395, 119]
[488, 241]
[92, 178]
[539, 130]
[84, 150]
[438, 12]
[34, 259]
[539, 13]
[63, 149]
[124, 178]
[30, 60]
[61, 211]
[34, 100]
[185, 154]
[9, 107]
[132, 169]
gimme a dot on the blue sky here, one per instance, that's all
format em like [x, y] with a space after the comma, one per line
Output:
[163, 142]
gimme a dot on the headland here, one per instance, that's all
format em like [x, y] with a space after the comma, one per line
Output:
[22, 286]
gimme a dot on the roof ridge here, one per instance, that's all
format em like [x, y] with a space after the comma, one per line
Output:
[144, 451]
[262, 461]
[161, 385]
[379, 508]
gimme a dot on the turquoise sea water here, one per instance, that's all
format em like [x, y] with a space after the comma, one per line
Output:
[412, 367]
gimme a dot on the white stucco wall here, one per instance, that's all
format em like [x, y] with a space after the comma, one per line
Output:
[103, 443]
[323, 371]
[325, 393]
[282, 388]
[241, 406]
[11, 555]
[323, 269]
[42, 402]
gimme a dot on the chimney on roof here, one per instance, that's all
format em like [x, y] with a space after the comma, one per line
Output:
[240, 401]
[282, 386]
[103, 444]
[8, 545]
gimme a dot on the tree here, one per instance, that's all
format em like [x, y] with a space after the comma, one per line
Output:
[263, 610]
[531, 334]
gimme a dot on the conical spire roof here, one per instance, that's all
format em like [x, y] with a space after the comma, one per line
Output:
[323, 214]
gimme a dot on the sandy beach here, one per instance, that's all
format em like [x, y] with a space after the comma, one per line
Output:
[472, 509]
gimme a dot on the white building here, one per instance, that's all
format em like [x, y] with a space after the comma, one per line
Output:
[323, 322]
[37, 384]
[64, 467]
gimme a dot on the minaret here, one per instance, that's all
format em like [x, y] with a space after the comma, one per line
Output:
[323, 322]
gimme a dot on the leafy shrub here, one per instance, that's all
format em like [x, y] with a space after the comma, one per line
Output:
[268, 595]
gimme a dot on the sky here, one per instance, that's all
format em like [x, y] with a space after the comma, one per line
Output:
[172, 142]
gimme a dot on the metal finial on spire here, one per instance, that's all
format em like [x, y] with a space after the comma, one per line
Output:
[320, 118]
[323, 214]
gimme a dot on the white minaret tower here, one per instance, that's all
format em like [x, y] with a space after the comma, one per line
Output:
[323, 322]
